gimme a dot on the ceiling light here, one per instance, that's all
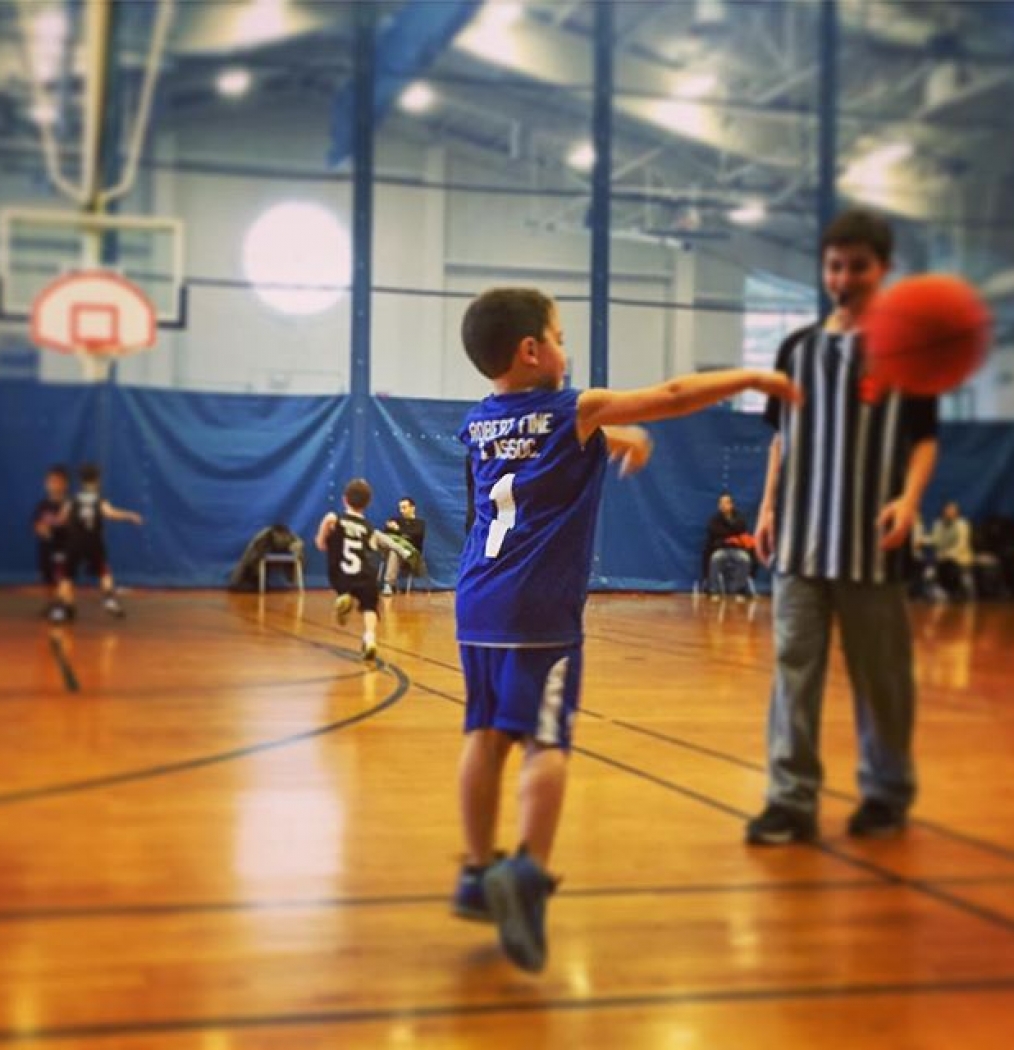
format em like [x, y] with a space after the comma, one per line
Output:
[888, 155]
[582, 157]
[696, 85]
[260, 21]
[417, 98]
[749, 214]
[501, 15]
[233, 83]
[47, 39]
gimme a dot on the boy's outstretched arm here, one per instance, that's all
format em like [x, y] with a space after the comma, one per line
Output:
[116, 514]
[676, 397]
[326, 527]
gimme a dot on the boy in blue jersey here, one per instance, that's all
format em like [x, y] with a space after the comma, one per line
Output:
[537, 454]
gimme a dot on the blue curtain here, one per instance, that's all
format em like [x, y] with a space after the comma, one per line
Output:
[209, 470]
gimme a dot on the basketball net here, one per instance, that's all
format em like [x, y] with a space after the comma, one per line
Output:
[95, 363]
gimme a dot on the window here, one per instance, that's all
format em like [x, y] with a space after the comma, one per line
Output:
[774, 308]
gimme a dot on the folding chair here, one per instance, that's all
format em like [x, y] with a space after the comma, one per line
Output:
[279, 559]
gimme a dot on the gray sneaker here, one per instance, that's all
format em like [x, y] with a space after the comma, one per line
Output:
[517, 890]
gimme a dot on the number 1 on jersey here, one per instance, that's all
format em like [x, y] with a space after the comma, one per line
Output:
[502, 494]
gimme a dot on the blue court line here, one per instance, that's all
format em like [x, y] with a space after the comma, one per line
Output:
[994, 918]
[958, 836]
[400, 1014]
[61, 913]
[70, 681]
[125, 695]
[723, 756]
[402, 686]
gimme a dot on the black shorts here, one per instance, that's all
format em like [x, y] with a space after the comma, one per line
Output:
[365, 592]
[88, 553]
[52, 562]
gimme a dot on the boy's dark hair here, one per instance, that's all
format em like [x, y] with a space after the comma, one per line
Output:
[407, 499]
[58, 470]
[358, 494]
[859, 226]
[89, 473]
[496, 322]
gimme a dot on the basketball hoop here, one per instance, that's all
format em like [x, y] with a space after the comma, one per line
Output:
[97, 315]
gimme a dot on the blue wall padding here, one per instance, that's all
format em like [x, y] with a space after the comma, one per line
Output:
[208, 470]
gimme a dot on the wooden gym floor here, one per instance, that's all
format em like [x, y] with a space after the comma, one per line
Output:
[234, 835]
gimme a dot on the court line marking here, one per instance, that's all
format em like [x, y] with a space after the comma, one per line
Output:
[402, 685]
[185, 692]
[988, 915]
[366, 1015]
[985, 845]
[71, 913]
[63, 662]
[636, 641]
[969, 840]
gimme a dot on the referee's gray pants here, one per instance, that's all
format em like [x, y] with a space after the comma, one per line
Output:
[877, 644]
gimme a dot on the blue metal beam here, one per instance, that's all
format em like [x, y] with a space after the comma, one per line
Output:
[602, 123]
[827, 199]
[406, 48]
[363, 91]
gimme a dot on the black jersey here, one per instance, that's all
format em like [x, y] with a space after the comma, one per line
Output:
[86, 515]
[49, 512]
[351, 557]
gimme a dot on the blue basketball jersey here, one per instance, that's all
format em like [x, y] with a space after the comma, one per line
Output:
[524, 571]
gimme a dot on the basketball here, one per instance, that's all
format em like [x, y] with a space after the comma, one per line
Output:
[927, 334]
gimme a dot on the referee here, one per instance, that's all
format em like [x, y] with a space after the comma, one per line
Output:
[846, 475]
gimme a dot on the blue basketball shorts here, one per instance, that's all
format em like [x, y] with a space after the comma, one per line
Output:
[524, 692]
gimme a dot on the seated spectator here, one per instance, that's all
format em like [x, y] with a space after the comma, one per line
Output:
[728, 552]
[275, 539]
[410, 529]
[952, 540]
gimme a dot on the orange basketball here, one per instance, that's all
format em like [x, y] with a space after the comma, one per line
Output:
[926, 335]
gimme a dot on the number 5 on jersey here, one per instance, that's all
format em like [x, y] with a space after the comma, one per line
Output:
[352, 556]
[502, 494]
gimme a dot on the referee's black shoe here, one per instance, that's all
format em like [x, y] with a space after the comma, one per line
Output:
[876, 820]
[780, 825]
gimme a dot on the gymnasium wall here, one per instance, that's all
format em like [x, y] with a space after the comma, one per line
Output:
[207, 470]
[676, 308]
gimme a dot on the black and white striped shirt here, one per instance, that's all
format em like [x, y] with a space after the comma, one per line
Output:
[843, 459]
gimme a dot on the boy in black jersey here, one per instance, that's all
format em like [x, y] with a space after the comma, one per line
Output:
[351, 543]
[49, 525]
[86, 515]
